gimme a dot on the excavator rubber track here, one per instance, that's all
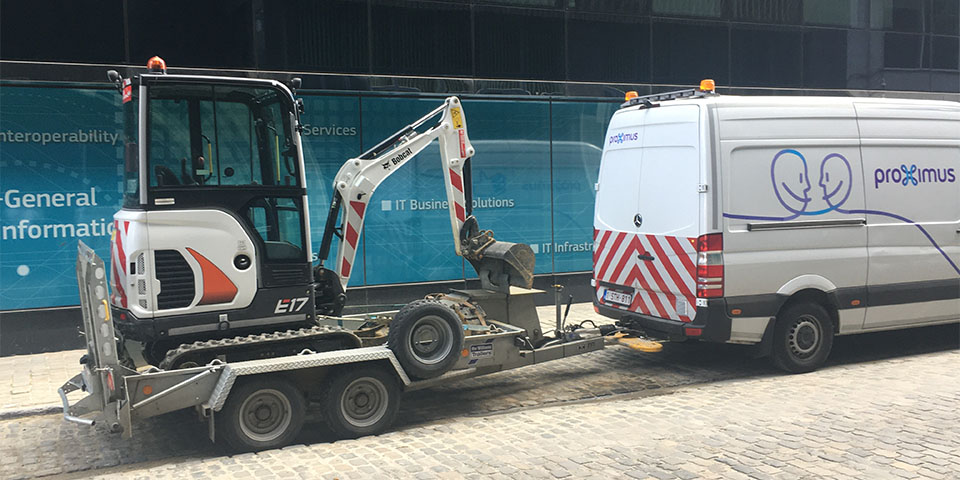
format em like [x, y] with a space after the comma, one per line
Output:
[259, 346]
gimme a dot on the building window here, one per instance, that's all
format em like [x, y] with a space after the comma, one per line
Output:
[840, 13]
[897, 15]
[328, 36]
[629, 7]
[608, 49]
[901, 50]
[825, 58]
[64, 31]
[685, 53]
[421, 39]
[944, 53]
[765, 57]
[513, 43]
[691, 8]
[766, 11]
[945, 17]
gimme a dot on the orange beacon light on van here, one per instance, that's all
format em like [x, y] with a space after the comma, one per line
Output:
[707, 85]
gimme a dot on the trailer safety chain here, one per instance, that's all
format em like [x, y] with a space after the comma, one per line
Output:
[225, 345]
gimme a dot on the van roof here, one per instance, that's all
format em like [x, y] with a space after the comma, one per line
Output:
[794, 101]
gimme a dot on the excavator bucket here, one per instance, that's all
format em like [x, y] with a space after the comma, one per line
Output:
[499, 265]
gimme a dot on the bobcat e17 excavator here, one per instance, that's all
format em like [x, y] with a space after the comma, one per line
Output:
[211, 256]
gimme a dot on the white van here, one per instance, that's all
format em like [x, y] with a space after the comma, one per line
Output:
[778, 221]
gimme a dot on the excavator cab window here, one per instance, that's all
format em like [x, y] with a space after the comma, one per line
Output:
[204, 135]
[278, 222]
[131, 152]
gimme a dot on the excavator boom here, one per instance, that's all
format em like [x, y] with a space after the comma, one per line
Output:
[499, 264]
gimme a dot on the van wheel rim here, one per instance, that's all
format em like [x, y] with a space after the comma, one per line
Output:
[431, 340]
[265, 415]
[804, 337]
[364, 402]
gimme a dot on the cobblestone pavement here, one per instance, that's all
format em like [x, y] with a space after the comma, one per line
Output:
[29, 382]
[896, 418]
[43, 445]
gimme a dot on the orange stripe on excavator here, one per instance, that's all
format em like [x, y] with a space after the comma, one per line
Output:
[217, 287]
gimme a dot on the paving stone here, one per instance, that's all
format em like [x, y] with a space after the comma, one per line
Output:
[702, 430]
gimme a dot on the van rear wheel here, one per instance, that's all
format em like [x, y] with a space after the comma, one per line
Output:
[802, 338]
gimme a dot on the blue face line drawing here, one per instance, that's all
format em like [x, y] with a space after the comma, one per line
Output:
[788, 171]
[836, 178]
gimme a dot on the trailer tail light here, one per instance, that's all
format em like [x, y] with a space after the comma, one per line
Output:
[710, 265]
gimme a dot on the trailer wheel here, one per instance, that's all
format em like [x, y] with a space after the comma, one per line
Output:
[426, 336]
[261, 413]
[802, 338]
[362, 401]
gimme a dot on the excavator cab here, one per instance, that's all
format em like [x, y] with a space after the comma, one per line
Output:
[213, 237]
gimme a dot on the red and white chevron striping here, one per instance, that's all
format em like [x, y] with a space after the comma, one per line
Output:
[664, 287]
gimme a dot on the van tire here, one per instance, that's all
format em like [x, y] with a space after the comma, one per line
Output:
[802, 338]
[260, 413]
[426, 336]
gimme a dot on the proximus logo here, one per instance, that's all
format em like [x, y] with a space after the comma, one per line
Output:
[623, 137]
[913, 175]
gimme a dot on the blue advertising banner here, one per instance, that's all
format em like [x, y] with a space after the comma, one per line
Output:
[533, 178]
[331, 135]
[59, 178]
[578, 132]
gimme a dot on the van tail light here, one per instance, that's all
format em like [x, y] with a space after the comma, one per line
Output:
[710, 265]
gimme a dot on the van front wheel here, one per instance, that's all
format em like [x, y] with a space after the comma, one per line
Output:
[802, 338]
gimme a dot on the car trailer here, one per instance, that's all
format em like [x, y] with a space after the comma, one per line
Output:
[261, 404]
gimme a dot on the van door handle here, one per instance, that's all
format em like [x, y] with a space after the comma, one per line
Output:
[644, 256]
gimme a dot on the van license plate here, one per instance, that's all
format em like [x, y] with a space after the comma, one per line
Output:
[617, 297]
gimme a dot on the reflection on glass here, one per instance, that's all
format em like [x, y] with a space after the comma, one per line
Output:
[945, 53]
[330, 136]
[696, 8]
[578, 137]
[829, 12]
[897, 15]
[902, 50]
[766, 11]
[763, 57]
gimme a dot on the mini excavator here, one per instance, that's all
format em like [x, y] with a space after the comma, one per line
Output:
[212, 256]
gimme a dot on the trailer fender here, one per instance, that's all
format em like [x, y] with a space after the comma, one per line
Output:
[298, 362]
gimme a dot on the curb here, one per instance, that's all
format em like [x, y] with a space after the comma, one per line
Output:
[29, 411]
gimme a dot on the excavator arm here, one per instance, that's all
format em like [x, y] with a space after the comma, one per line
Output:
[499, 264]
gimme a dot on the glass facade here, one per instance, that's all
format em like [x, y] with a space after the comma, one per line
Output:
[539, 80]
[61, 180]
[911, 45]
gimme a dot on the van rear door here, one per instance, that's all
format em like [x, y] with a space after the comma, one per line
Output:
[650, 253]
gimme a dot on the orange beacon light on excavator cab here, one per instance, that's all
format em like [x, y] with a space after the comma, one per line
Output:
[156, 65]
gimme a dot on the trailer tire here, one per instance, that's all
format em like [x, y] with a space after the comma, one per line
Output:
[360, 401]
[426, 336]
[261, 413]
[802, 338]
